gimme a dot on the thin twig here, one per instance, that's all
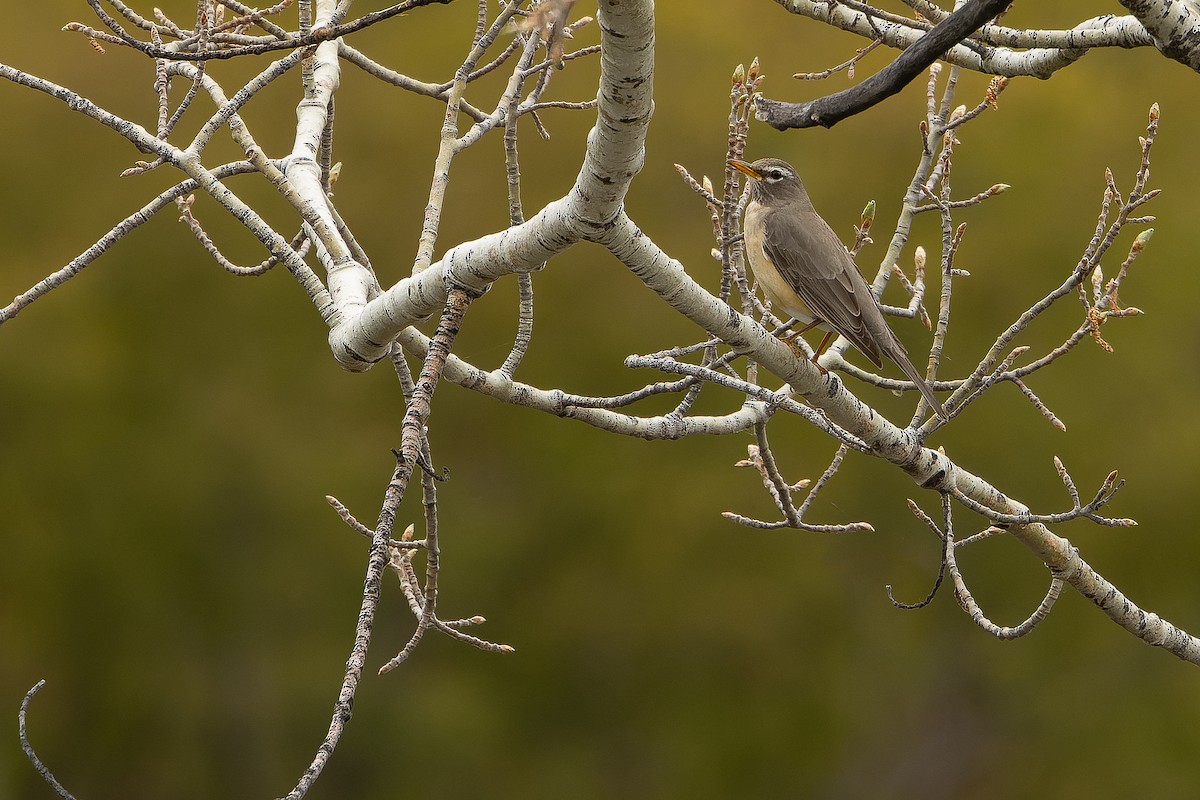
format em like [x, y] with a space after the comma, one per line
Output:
[41, 768]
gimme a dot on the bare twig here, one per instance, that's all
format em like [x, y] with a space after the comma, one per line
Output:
[41, 768]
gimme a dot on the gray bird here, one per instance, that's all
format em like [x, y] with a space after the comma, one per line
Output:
[806, 271]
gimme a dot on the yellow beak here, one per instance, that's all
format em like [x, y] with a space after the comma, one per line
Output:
[742, 166]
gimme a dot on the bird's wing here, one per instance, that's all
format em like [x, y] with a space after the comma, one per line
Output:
[811, 258]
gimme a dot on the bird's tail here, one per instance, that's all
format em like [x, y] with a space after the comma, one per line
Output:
[902, 360]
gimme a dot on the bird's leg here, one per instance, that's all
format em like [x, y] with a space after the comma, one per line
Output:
[790, 338]
[821, 349]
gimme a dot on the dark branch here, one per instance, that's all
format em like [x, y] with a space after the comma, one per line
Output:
[832, 109]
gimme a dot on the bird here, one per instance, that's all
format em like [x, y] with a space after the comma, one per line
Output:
[806, 271]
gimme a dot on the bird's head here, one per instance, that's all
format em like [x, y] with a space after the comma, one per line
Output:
[772, 180]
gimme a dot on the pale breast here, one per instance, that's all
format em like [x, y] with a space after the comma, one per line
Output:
[784, 300]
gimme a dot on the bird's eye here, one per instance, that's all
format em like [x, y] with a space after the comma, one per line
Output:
[776, 174]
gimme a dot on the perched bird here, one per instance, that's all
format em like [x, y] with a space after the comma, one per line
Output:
[806, 271]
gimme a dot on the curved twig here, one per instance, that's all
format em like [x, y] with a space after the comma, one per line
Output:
[41, 768]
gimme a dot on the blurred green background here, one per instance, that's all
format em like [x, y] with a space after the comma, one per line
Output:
[168, 433]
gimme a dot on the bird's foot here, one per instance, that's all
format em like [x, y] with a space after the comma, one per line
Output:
[792, 339]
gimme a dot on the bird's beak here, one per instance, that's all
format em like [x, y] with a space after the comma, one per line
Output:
[742, 166]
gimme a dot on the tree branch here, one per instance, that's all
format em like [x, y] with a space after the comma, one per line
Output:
[27, 746]
[1174, 26]
[832, 109]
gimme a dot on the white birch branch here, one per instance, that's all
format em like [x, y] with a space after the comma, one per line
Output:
[1171, 26]
[1174, 26]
